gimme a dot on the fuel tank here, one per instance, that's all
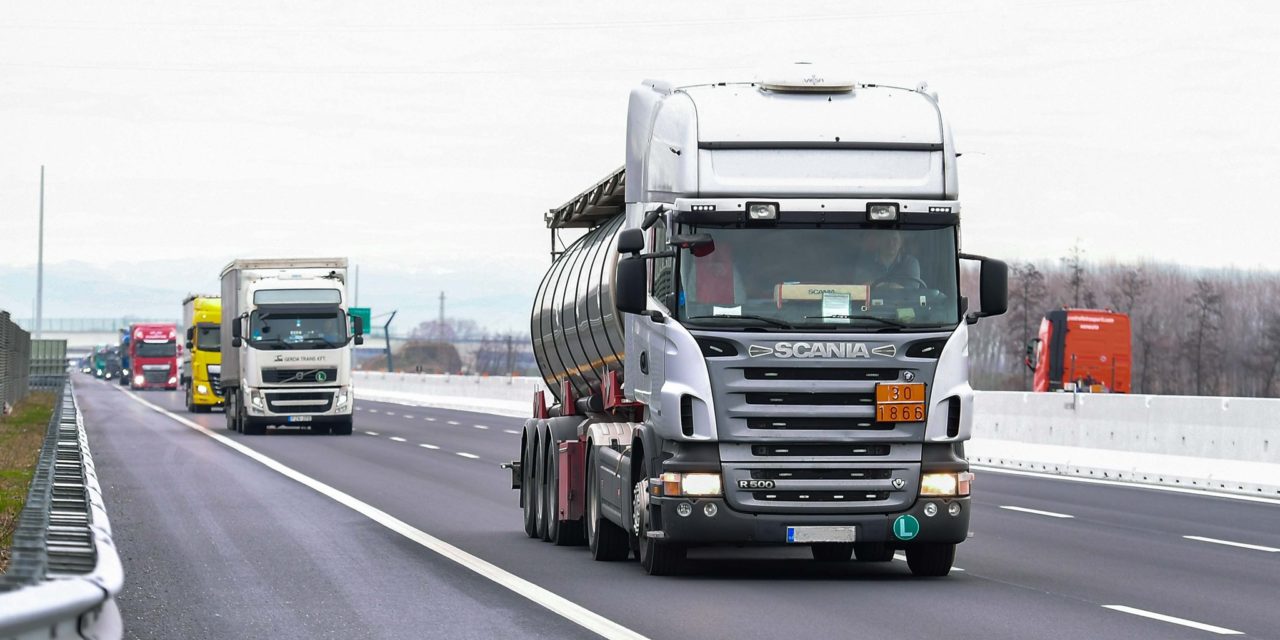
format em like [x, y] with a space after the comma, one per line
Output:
[575, 328]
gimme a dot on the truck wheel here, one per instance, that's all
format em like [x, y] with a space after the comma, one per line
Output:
[540, 495]
[657, 558]
[344, 427]
[563, 533]
[529, 489]
[228, 410]
[247, 425]
[608, 541]
[832, 551]
[872, 551]
[931, 559]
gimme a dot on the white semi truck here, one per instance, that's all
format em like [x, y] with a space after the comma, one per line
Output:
[760, 338]
[286, 348]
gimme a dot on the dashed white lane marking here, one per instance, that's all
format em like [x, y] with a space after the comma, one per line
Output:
[429, 419]
[571, 611]
[481, 427]
[1036, 512]
[397, 438]
[371, 433]
[1242, 545]
[511, 431]
[454, 422]
[902, 557]
[469, 455]
[391, 413]
[1222, 631]
[407, 416]
[373, 411]
[428, 446]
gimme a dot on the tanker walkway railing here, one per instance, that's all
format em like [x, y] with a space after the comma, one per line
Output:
[64, 573]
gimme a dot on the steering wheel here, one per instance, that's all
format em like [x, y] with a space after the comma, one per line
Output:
[900, 279]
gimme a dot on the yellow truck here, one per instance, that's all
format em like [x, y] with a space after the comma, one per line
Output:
[201, 374]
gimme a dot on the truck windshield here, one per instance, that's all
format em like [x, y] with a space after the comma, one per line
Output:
[846, 277]
[208, 337]
[155, 349]
[297, 330]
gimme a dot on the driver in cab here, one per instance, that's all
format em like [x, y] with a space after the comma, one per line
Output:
[882, 262]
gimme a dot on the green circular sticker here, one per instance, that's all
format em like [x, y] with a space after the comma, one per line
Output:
[321, 377]
[906, 527]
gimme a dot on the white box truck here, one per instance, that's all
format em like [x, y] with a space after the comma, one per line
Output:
[286, 348]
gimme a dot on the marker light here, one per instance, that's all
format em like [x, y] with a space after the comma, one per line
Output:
[945, 484]
[882, 212]
[762, 210]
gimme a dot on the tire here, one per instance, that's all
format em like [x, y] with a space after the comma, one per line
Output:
[931, 560]
[191, 402]
[608, 541]
[228, 410]
[872, 551]
[657, 558]
[563, 533]
[247, 425]
[322, 429]
[832, 551]
[540, 499]
[529, 488]
[343, 428]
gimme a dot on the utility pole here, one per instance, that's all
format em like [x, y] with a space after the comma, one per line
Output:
[441, 325]
[511, 360]
[356, 295]
[40, 263]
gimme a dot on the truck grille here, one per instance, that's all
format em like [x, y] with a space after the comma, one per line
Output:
[304, 402]
[819, 496]
[215, 383]
[286, 376]
[155, 377]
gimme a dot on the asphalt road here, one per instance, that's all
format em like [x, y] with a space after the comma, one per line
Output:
[215, 544]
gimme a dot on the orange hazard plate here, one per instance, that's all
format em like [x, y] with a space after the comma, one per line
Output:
[900, 402]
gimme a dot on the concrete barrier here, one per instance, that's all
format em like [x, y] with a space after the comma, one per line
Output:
[1221, 444]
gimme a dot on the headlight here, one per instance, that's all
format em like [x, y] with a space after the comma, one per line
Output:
[945, 484]
[690, 484]
[202, 389]
[343, 397]
[173, 380]
[139, 380]
[255, 398]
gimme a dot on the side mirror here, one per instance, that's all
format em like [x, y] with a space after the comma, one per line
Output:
[357, 324]
[700, 244]
[358, 340]
[237, 333]
[629, 292]
[1033, 354]
[994, 282]
[190, 345]
[630, 241]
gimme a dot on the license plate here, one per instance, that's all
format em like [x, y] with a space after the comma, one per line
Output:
[807, 535]
[900, 402]
[299, 418]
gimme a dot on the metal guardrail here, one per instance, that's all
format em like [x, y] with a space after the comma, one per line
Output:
[65, 572]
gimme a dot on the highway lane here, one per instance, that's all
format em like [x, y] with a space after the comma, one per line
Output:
[1027, 575]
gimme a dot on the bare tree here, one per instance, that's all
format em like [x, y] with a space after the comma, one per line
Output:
[1206, 314]
[1026, 305]
[1074, 262]
[1133, 286]
[1270, 353]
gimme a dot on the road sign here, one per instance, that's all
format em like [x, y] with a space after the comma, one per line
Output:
[906, 527]
[365, 316]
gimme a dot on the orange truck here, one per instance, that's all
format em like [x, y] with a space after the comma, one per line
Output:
[1081, 349]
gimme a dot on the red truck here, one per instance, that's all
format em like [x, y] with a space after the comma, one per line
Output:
[153, 355]
[1088, 347]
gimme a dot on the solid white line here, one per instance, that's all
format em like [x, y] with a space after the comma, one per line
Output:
[1036, 511]
[428, 446]
[511, 431]
[1131, 485]
[397, 438]
[571, 611]
[1242, 545]
[454, 422]
[1222, 631]
[481, 427]
[469, 455]
[372, 433]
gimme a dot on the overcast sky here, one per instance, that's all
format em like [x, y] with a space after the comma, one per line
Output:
[432, 136]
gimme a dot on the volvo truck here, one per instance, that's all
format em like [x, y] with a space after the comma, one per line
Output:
[286, 350]
[758, 336]
[201, 373]
[1081, 350]
[153, 356]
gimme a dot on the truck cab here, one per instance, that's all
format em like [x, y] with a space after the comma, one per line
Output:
[153, 356]
[1081, 350]
[201, 374]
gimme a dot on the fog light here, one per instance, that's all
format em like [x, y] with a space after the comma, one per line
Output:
[953, 509]
[762, 210]
[710, 509]
[684, 509]
[931, 510]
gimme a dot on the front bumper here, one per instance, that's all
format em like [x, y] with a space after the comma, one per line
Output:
[732, 527]
[206, 399]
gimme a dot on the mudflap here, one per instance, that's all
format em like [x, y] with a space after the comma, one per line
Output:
[571, 458]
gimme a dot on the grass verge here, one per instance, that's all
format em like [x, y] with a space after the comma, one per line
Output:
[21, 435]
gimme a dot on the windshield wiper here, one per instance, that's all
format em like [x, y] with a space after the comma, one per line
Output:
[268, 340]
[745, 316]
[323, 340]
[892, 323]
